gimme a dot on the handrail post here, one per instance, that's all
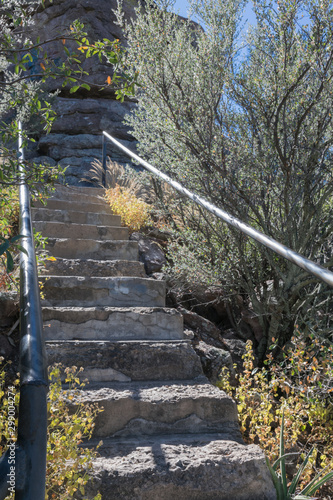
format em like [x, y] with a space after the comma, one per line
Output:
[29, 465]
[103, 160]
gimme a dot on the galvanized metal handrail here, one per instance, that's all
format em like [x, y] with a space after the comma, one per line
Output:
[311, 267]
[28, 462]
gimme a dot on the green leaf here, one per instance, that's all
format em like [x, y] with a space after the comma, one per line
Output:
[316, 483]
[10, 262]
[16, 238]
[19, 247]
[4, 246]
[294, 482]
[74, 89]
[276, 481]
[85, 86]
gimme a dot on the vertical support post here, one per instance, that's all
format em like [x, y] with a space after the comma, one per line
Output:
[103, 161]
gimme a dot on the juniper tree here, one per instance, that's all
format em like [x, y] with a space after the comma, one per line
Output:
[244, 120]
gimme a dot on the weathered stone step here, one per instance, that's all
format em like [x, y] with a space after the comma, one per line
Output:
[74, 206]
[79, 195]
[95, 291]
[112, 323]
[181, 467]
[67, 216]
[81, 231]
[127, 361]
[90, 267]
[138, 408]
[69, 248]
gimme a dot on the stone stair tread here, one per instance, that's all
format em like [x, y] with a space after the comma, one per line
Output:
[104, 322]
[126, 361]
[81, 231]
[154, 392]
[78, 217]
[61, 189]
[61, 204]
[92, 249]
[92, 267]
[187, 467]
[81, 314]
[92, 195]
[102, 291]
[137, 408]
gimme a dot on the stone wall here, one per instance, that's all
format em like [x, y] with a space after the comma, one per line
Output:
[76, 140]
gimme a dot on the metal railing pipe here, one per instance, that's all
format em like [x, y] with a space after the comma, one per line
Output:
[311, 267]
[30, 453]
[32, 423]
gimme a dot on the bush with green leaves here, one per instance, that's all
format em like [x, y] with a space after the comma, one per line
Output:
[68, 463]
[288, 405]
[245, 120]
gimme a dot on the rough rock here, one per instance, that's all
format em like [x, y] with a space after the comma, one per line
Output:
[6, 349]
[150, 253]
[200, 324]
[91, 115]
[9, 304]
[213, 360]
[84, 113]
[250, 318]
[91, 267]
[211, 302]
[156, 408]
[136, 360]
[237, 349]
[206, 467]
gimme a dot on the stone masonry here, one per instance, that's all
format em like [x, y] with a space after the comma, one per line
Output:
[168, 433]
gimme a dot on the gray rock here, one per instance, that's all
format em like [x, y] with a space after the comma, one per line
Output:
[9, 308]
[237, 349]
[6, 349]
[136, 360]
[90, 267]
[152, 408]
[45, 160]
[200, 324]
[202, 467]
[213, 360]
[150, 253]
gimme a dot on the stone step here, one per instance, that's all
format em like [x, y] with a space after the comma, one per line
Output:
[81, 231]
[82, 291]
[127, 361]
[152, 408]
[181, 467]
[112, 323]
[80, 195]
[68, 248]
[74, 206]
[90, 267]
[67, 216]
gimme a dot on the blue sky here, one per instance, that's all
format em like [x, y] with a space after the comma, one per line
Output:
[182, 6]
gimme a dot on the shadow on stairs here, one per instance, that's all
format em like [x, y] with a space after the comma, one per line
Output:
[168, 434]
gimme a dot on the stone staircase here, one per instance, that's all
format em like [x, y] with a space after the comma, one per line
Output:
[167, 432]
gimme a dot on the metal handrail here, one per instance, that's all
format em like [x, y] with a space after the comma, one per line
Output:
[29, 459]
[311, 267]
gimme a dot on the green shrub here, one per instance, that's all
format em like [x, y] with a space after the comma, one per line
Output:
[298, 387]
[68, 464]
